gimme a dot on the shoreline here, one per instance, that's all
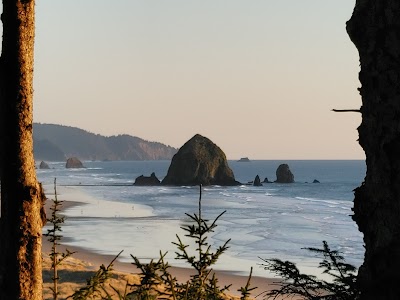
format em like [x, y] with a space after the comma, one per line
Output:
[71, 197]
[95, 260]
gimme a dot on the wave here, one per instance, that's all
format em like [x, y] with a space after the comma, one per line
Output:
[333, 201]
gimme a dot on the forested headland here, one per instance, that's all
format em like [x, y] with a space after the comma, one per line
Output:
[57, 142]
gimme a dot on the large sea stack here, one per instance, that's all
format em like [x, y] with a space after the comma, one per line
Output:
[44, 165]
[73, 163]
[199, 161]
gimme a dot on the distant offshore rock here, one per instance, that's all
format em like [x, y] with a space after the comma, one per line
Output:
[73, 163]
[244, 159]
[315, 181]
[199, 161]
[147, 180]
[257, 181]
[43, 165]
[284, 175]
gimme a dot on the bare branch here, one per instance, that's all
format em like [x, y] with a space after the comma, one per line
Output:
[347, 110]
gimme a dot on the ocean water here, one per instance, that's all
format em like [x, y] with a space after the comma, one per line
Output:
[272, 221]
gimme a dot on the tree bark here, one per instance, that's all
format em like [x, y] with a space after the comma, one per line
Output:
[21, 195]
[374, 28]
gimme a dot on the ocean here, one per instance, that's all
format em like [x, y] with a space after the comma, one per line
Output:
[272, 221]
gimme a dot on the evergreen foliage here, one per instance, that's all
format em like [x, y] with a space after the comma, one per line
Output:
[343, 285]
[54, 238]
[95, 286]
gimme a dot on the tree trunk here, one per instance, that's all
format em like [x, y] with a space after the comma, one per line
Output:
[21, 195]
[375, 30]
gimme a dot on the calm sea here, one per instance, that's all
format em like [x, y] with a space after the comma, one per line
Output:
[272, 221]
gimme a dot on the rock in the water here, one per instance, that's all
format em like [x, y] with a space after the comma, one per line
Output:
[266, 180]
[147, 180]
[244, 159]
[284, 175]
[73, 162]
[43, 165]
[316, 181]
[199, 161]
[257, 181]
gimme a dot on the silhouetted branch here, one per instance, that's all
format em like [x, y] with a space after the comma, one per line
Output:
[347, 110]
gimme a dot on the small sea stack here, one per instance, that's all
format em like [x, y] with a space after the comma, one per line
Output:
[147, 180]
[284, 175]
[266, 180]
[43, 165]
[257, 181]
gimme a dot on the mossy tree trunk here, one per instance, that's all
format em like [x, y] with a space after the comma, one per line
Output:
[21, 195]
[375, 30]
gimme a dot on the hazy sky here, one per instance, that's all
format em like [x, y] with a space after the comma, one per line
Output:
[257, 77]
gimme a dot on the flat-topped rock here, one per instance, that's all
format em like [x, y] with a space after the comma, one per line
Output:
[244, 159]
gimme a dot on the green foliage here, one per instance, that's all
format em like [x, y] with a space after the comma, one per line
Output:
[152, 276]
[342, 286]
[245, 291]
[95, 286]
[54, 237]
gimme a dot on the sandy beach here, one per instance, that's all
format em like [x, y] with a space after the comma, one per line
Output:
[84, 262]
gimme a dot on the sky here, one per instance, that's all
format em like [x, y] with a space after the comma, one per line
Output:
[257, 77]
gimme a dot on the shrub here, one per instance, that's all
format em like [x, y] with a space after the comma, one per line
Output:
[54, 237]
[343, 285]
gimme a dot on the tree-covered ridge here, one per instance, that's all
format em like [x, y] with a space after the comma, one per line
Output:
[57, 142]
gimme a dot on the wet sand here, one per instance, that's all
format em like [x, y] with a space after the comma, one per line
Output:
[71, 198]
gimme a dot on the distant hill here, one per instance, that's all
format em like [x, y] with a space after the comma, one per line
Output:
[56, 143]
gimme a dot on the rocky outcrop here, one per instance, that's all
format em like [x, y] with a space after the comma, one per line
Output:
[284, 175]
[266, 180]
[257, 181]
[147, 180]
[199, 161]
[43, 165]
[73, 162]
[315, 181]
